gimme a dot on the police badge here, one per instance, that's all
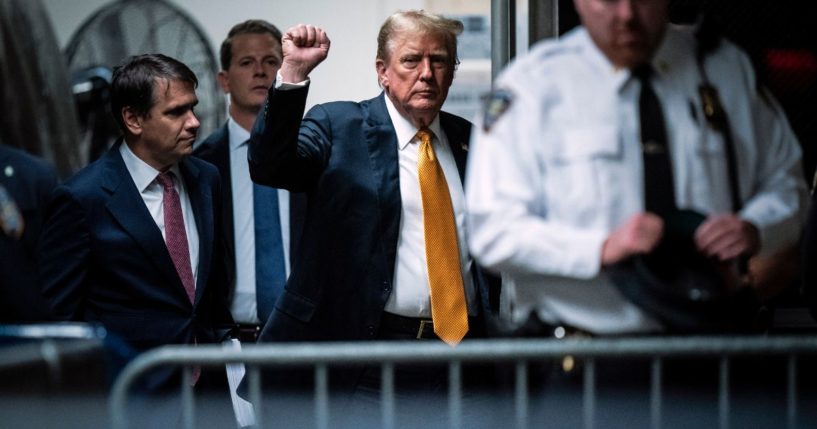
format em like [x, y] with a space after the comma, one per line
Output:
[496, 103]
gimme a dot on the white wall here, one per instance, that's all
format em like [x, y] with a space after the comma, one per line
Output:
[352, 25]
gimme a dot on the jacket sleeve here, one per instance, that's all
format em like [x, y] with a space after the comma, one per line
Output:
[64, 253]
[286, 151]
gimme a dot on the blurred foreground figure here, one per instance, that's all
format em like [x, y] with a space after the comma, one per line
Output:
[26, 183]
[622, 175]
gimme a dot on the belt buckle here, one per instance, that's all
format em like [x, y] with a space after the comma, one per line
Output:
[423, 323]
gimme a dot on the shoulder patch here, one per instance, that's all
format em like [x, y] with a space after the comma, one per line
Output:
[496, 104]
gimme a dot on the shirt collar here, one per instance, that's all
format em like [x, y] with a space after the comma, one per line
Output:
[237, 134]
[404, 129]
[601, 63]
[142, 173]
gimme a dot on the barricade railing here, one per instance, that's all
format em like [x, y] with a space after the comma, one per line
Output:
[520, 352]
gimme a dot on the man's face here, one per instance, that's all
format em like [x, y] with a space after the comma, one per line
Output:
[627, 31]
[255, 61]
[166, 134]
[417, 75]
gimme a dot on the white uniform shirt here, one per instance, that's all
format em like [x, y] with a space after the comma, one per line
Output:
[562, 168]
[410, 296]
[144, 177]
[244, 306]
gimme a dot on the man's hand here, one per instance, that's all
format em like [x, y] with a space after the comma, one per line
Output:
[304, 46]
[727, 236]
[639, 235]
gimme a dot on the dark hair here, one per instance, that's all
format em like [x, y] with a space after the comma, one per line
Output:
[134, 79]
[419, 21]
[250, 26]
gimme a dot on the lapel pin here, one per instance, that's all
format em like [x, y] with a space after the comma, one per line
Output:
[9, 171]
[464, 146]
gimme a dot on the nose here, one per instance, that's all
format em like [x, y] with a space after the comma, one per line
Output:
[192, 123]
[258, 69]
[425, 69]
[624, 10]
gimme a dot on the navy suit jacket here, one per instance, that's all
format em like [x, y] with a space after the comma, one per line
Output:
[103, 259]
[216, 150]
[343, 155]
[29, 182]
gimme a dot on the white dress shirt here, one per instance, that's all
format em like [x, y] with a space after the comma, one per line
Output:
[244, 306]
[562, 167]
[144, 177]
[410, 296]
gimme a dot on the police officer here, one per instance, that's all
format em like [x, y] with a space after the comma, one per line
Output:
[591, 139]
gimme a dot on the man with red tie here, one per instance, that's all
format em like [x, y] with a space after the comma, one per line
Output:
[131, 241]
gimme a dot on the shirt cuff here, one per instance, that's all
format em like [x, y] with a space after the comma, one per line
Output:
[281, 85]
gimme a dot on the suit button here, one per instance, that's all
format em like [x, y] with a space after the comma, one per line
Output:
[386, 286]
[370, 328]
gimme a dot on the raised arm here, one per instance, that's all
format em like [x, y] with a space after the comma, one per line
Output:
[282, 152]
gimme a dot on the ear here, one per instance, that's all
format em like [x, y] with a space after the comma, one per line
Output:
[133, 122]
[382, 77]
[223, 81]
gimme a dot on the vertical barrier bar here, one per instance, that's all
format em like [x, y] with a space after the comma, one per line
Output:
[791, 397]
[655, 393]
[188, 406]
[589, 393]
[723, 397]
[521, 395]
[387, 394]
[322, 396]
[255, 395]
[454, 394]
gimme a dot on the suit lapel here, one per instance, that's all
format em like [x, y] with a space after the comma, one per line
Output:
[221, 159]
[201, 200]
[129, 210]
[381, 140]
[457, 140]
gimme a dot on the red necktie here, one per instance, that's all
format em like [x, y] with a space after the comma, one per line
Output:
[176, 240]
[175, 235]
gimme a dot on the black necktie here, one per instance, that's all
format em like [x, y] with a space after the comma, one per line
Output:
[659, 191]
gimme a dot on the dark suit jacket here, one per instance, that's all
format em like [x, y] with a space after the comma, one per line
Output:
[29, 182]
[103, 259]
[216, 150]
[343, 155]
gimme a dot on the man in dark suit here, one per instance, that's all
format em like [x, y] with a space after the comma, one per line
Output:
[250, 58]
[132, 241]
[383, 254]
[26, 183]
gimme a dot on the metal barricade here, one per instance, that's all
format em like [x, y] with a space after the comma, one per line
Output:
[520, 352]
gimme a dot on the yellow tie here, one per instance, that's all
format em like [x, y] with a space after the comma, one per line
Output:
[448, 310]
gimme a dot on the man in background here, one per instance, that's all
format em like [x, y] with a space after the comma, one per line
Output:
[261, 224]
